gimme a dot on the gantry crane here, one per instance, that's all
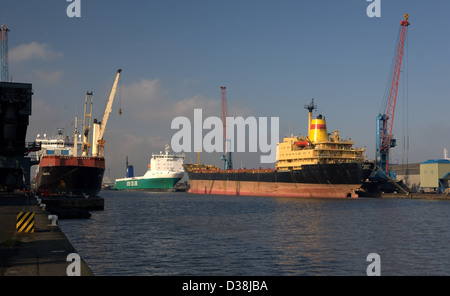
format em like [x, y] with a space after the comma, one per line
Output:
[385, 121]
[99, 127]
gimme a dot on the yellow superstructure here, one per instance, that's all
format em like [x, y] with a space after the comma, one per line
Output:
[319, 148]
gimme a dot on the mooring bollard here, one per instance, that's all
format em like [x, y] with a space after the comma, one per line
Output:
[43, 206]
[54, 219]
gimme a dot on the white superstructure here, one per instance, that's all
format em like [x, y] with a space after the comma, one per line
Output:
[163, 169]
[165, 163]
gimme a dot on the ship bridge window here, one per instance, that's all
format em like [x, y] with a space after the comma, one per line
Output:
[50, 152]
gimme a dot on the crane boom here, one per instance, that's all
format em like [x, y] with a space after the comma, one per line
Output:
[385, 121]
[108, 106]
[98, 142]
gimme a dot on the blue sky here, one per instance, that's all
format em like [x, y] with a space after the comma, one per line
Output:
[273, 57]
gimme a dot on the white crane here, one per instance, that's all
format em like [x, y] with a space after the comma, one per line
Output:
[99, 127]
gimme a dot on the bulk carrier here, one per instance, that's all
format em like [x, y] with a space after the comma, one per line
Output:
[62, 172]
[62, 169]
[320, 165]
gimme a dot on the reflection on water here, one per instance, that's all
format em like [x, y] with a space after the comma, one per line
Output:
[142, 233]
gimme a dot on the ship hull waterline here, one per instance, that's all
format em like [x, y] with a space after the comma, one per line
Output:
[153, 184]
[245, 188]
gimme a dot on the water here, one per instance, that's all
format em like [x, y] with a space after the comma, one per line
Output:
[166, 234]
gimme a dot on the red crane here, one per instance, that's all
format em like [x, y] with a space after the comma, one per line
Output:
[226, 157]
[388, 120]
[224, 115]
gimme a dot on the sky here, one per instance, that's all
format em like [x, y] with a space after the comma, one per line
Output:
[272, 56]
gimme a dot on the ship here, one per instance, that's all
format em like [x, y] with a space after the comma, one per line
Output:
[70, 167]
[164, 171]
[61, 172]
[319, 165]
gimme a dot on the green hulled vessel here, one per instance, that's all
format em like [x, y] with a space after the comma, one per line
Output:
[164, 171]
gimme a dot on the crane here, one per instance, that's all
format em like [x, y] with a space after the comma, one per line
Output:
[99, 127]
[4, 53]
[226, 157]
[385, 121]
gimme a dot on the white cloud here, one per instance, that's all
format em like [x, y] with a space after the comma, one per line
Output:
[32, 50]
[47, 77]
[147, 100]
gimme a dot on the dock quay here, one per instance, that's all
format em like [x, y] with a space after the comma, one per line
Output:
[425, 196]
[72, 207]
[43, 252]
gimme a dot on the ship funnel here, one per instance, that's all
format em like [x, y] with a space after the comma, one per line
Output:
[130, 171]
[318, 130]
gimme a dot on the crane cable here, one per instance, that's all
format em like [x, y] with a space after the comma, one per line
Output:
[120, 99]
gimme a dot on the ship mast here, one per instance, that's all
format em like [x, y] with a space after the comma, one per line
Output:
[75, 138]
[87, 124]
[310, 107]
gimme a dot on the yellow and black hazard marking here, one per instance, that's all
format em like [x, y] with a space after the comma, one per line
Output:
[25, 222]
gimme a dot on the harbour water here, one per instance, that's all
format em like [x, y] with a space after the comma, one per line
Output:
[182, 234]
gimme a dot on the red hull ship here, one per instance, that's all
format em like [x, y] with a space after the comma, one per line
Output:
[70, 175]
[62, 171]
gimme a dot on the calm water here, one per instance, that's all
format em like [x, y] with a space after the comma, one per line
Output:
[169, 234]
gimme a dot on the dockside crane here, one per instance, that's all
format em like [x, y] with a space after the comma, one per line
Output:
[385, 121]
[226, 157]
[4, 53]
[99, 127]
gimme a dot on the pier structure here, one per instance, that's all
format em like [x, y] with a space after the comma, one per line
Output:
[41, 252]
